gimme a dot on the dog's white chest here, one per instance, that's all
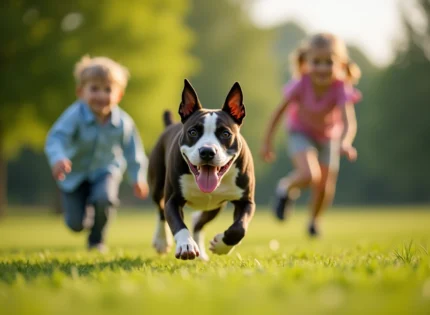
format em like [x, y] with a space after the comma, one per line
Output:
[226, 191]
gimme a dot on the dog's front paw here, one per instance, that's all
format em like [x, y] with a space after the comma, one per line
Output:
[186, 247]
[162, 244]
[187, 250]
[217, 246]
[162, 241]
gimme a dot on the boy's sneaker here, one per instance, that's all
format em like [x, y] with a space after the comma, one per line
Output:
[283, 207]
[100, 247]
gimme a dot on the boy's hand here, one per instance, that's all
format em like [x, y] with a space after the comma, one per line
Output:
[349, 151]
[267, 153]
[61, 168]
[141, 190]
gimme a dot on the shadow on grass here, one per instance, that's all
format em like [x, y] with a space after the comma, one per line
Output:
[4, 252]
[10, 271]
[38, 250]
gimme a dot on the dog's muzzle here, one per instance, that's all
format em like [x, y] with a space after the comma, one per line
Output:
[207, 153]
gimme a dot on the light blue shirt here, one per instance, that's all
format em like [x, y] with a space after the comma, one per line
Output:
[96, 149]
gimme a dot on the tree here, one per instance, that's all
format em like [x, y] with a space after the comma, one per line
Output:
[399, 132]
[43, 39]
[230, 48]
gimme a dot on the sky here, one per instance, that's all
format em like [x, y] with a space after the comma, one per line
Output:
[374, 25]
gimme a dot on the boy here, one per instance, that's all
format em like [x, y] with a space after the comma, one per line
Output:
[90, 146]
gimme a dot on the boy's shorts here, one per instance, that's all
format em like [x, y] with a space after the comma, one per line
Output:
[328, 152]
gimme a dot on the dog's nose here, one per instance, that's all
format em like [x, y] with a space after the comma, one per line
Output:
[207, 153]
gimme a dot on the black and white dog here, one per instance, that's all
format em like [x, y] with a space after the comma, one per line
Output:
[203, 163]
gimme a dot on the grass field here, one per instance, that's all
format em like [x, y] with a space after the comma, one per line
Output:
[375, 261]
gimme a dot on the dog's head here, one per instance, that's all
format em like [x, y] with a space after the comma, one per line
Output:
[210, 142]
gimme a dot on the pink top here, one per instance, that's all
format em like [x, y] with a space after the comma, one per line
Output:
[320, 118]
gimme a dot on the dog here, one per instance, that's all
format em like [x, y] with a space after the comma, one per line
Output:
[202, 163]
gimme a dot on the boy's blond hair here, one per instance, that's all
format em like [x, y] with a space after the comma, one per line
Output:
[100, 68]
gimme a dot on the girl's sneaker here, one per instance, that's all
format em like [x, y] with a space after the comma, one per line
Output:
[313, 230]
[283, 207]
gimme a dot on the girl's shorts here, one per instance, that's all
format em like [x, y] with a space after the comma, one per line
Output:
[328, 152]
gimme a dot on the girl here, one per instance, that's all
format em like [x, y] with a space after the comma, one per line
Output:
[319, 106]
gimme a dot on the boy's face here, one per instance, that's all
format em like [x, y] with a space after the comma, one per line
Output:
[101, 96]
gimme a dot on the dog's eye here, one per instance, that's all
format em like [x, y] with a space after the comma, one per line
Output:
[226, 134]
[192, 133]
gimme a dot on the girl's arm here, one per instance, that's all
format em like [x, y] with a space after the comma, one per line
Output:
[350, 122]
[267, 151]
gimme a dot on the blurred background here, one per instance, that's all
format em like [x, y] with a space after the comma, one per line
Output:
[214, 44]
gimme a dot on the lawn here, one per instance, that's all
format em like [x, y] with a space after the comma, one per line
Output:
[369, 261]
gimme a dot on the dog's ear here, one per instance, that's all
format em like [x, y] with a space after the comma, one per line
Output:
[190, 102]
[234, 104]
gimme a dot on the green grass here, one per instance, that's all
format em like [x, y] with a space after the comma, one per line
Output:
[375, 261]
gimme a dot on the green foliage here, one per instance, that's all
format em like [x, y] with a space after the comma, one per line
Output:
[230, 48]
[216, 45]
[354, 269]
[398, 131]
[44, 39]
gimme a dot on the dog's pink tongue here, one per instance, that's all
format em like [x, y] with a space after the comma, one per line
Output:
[207, 179]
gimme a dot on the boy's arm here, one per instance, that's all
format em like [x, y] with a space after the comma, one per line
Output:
[61, 133]
[137, 162]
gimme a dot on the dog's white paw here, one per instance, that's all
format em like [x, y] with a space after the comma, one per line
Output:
[200, 240]
[162, 241]
[186, 247]
[204, 256]
[199, 236]
[217, 246]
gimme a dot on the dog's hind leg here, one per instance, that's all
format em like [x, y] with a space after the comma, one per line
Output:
[199, 220]
[162, 240]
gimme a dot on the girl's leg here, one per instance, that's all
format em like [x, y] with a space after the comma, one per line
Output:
[322, 196]
[323, 193]
[306, 173]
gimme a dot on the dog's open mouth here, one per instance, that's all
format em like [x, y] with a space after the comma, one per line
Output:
[208, 176]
